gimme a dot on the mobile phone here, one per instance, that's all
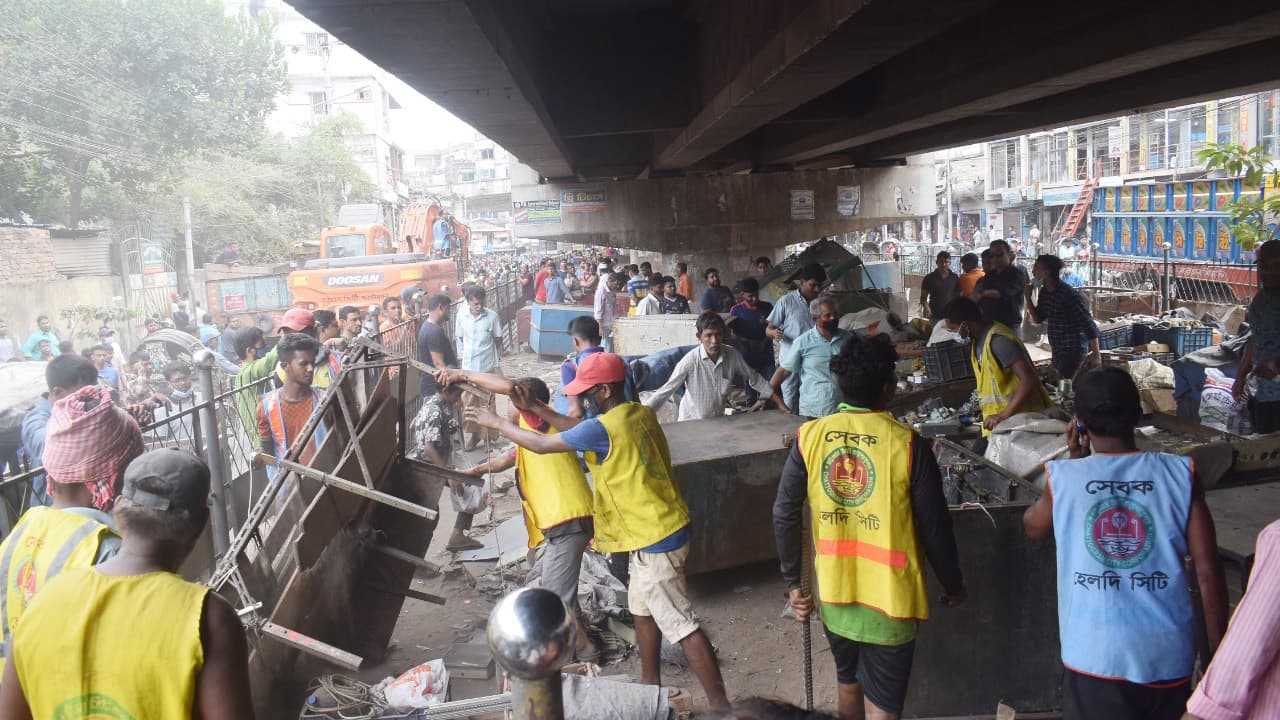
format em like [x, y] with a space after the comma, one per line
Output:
[1079, 429]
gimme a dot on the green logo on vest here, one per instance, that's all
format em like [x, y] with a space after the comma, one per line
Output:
[1119, 532]
[92, 706]
[848, 476]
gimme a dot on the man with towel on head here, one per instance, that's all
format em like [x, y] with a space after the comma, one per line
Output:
[89, 443]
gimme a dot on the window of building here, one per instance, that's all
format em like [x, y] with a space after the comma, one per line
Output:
[364, 94]
[1269, 122]
[1228, 130]
[485, 173]
[317, 43]
[467, 176]
[1005, 159]
[486, 153]
[1048, 158]
[319, 104]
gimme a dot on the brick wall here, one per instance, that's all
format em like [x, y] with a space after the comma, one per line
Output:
[26, 256]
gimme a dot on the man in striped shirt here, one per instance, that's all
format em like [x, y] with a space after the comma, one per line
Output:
[1243, 681]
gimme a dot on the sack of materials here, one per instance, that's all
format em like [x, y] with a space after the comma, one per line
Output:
[419, 687]
[1219, 408]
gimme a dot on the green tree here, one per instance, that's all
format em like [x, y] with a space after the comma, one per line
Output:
[275, 194]
[103, 99]
[1253, 218]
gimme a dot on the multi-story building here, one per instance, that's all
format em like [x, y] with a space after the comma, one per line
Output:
[474, 180]
[327, 77]
[1147, 170]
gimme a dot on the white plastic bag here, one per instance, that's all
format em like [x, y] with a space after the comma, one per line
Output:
[1218, 407]
[419, 687]
[471, 499]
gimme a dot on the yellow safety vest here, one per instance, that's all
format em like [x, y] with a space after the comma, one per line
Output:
[996, 385]
[636, 499]
[98, 646]
[553, 488]
[45, 542]
[860, 500]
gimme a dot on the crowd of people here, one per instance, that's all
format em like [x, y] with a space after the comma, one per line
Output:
[115, 523]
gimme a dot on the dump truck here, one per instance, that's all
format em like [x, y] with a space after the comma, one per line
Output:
[363, 264]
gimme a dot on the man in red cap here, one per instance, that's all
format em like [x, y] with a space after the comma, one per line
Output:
[638, 508]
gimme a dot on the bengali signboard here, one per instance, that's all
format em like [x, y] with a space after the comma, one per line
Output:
[583, 199]
[801, 204]
[535, 212]
[848, 199]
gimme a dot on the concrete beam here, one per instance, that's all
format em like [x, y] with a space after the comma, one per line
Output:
[1255, 68]
[457, 53]
[812, 55]
[1110, 50]
[736, 212]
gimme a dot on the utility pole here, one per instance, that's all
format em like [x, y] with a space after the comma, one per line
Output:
[949, 230]
[191, 258]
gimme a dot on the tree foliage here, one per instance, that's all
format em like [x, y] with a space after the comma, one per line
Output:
[277, 193]
[1253, 218]
[104, 100]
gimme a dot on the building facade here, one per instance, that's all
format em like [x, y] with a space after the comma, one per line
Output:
[327, 77]
[473, 179]
[1141, 164]
[1146, 168]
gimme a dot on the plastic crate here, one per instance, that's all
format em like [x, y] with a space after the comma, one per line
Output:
[1114, 337]
[1143, 334]
[1185, 340]
[947, 361]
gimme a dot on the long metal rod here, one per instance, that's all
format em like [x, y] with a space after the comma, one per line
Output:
[405, 557]
[353, 488]
[213, 456]
[806, 590]
[480, 393]
[345, 411]
[310, 645]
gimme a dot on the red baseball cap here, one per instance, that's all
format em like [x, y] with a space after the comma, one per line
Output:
[297, 320]
[597, 369]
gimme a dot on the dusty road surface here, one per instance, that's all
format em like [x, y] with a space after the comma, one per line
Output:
[759, 650]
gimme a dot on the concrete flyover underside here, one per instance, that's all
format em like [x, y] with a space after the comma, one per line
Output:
[605, 90]
[749, 213]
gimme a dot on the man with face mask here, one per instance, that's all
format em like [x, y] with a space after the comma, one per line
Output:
[1002, 291]
[1007, 382]
[810, 360]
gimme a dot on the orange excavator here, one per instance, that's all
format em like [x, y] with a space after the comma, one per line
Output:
[363, 264]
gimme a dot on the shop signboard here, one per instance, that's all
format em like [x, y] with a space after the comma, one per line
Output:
[1160, 197]
[1126, 235]
[801, 204]
[1125, 202]
[583, 199]
[1178, 230]
[1200, 195]
[1200, 239]
[1179, 202]
[1109, 238]
[1224, 250]
[536, 212]
[1223, 194]
[1141, 237]
[1158, 234]
[1144, 198]
[848, 199]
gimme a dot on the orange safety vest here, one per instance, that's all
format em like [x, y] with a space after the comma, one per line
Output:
[272, 408]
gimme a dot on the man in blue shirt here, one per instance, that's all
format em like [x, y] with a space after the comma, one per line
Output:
[790, 319]
[1261, 358]
[639, 509]
[64, 375]
[749, 323]
[45, 333]
[810, 360]
[557, 291]
[716, 298]
[107, 375]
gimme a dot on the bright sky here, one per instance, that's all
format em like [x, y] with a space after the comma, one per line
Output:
[422, 124]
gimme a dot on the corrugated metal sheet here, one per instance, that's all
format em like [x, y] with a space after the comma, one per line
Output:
[82, 256]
